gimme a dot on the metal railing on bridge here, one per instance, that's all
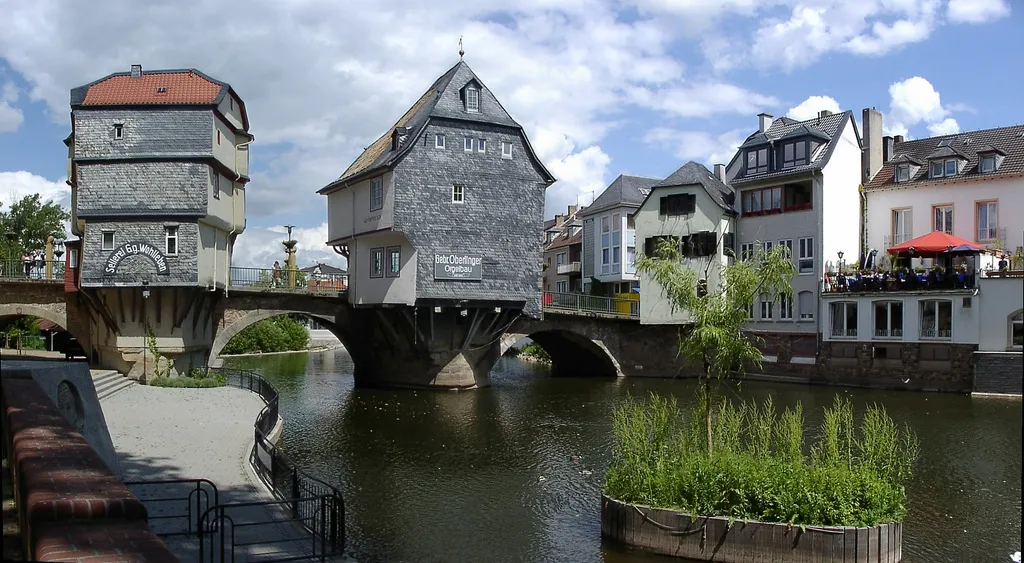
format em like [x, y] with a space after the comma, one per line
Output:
[582, 304]
[47, 271]
[284, 280]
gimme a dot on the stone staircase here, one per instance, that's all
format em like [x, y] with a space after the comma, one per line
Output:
[108, 382]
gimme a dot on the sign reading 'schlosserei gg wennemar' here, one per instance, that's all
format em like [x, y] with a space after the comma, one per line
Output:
[136, 249]
[458, 267]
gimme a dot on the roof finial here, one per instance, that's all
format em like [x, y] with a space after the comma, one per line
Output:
[461, 51]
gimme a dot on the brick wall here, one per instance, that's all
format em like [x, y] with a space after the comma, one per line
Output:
[500, 219]
[146, 132]
[142, 188]
[183, 268]
[998, 372]
[71, 508]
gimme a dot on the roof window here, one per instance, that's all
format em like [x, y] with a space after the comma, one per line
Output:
[161, 90]
[472, 99]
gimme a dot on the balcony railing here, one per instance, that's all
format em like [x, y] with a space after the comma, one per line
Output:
[33, 271]
[844, 332]
[894, 239]
[578, 303]
[872, 282]
[888, 333]
[936, 333]
[570, 268]
[283, 280]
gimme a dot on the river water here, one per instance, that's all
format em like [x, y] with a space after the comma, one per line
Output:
[513, 472]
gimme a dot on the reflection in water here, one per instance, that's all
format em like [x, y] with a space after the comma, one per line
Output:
[513, 472]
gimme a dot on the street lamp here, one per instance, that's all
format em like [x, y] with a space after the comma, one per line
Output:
[145, 324]
[840, 260]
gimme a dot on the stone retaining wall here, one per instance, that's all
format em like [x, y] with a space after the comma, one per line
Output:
[998, 372]
[71, 506]
[713, 539]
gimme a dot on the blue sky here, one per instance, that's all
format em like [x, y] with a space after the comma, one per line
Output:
[602, 88]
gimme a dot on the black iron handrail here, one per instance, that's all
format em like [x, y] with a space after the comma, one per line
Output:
[320, 515]
[201, 492]
[282, 475]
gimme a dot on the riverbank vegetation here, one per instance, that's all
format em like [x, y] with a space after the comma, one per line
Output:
[196, 378]
[276, 334]
[531, 351]
[760, 466]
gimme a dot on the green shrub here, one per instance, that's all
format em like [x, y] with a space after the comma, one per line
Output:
[758, 469]
[534, 350]
[191, 382]
[276, 334]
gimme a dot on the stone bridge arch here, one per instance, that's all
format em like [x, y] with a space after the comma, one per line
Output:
[56, 313]
[577, 347]
[237, 313]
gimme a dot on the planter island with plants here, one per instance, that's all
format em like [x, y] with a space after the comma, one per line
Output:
[738, 482]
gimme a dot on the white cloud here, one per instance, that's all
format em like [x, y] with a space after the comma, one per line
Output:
[10, 116]
[977, 11]
[701, 146]
[260, 247]
[914, 101]
[809, 108]
[947, 126]
[702, 99]
[16, 185]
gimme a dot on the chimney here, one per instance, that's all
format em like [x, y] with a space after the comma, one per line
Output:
[871, 158]
[824, 113]
[572, 210]
[136, 71]
[559, 219]
[720, 172]
[887, 148]
[898, 138]
[764, 121]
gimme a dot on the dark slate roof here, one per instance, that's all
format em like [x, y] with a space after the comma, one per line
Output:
[945, 152]
[564, 240]
[1009, 140]
[184, 86]
[693, 173]
[628, 191]
[550, 224]
[443, 100]
[824, 128]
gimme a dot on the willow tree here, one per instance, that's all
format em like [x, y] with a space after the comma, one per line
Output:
[718, 306]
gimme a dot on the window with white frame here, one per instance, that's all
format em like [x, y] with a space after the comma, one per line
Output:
[171, 240]
[376, 262]
[747, 251]
[216, 185]
[467, 144]
[805, 259]
[108, 240]
[439, 141]
[943, 218]
[562, 287]
[888, 319]
[785, 307]
[988, 221]
[844, 319]
[941, 168]
[902, 226]
[481, 145]
[768, 245]
[903, 173]
[118, 131]
[394, 261]
[1017, 330]
[506, 150]
[472, 99]
[937, 319]
[805, 302]
[766, 307]
[606, 244]
[616, 243]
[458, 193]
[787, 243]
[376, 194]
[630, 259]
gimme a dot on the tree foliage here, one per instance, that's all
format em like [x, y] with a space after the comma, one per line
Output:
[22, 333]
[276, 334]
[26, 224]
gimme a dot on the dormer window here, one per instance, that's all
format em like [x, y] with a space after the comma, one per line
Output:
[903, 173]
[944, 168]
[472, 100]
[988, 164]
[439, 141]
[794, 154]
[757, 161]
[118, 131]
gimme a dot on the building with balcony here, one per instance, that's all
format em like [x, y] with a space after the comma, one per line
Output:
[609, 238]
[797, 185]
[970, 185]
[445, 207]
[695, 207]
[559, 223]
[563, 271]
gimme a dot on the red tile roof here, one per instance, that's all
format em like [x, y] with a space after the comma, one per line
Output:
[182, 87]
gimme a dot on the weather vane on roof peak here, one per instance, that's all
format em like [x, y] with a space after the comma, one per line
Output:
[461, 51]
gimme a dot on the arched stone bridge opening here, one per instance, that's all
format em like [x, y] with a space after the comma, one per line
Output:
[47, 301]
[578, 346]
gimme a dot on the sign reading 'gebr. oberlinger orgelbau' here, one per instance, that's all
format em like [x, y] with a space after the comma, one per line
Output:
[458, 267]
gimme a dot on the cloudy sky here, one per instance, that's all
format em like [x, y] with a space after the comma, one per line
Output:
[602, 87]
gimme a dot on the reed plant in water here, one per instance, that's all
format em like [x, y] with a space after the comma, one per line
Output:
[760, 466]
